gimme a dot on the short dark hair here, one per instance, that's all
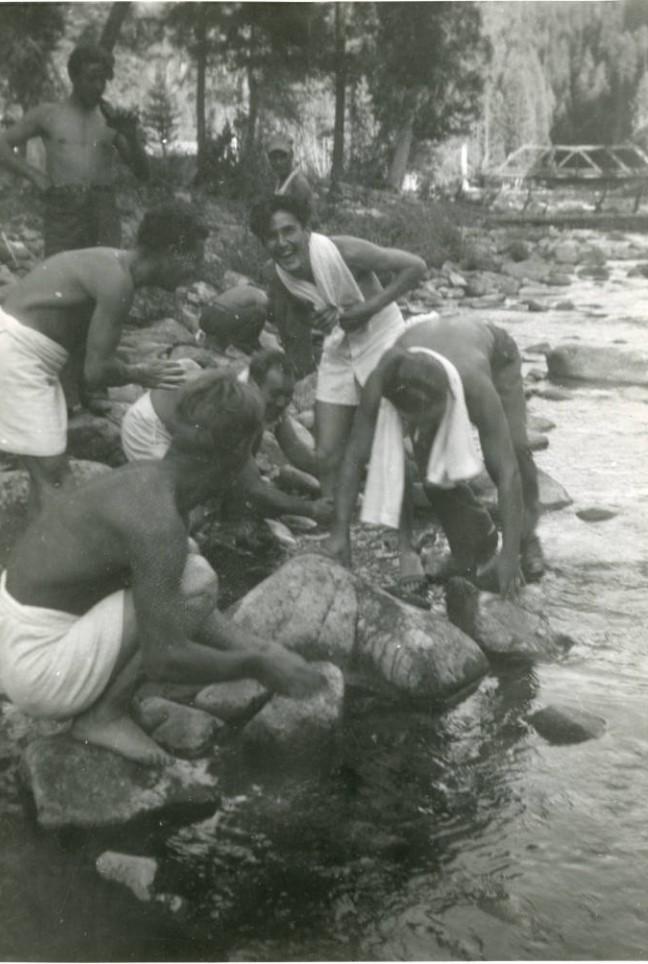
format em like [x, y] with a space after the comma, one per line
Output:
[267, 358]
[90, 54]
[171, 227]
[261, 213]
[411, 382]
[227, 408]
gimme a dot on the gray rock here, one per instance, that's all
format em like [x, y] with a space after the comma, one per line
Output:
[537, 441]
[552, 495]
[560, 724]
[95, 439]
[567, 252]
[178, 728]
[595, 514]
[298, 726]
[519, 250]
[232, 702]
[309, 605]
[87, 786]
[595, 271]
[502, 627]
[558, 280]
[553, 394]
[534, 305]
[598, 363]
[539, 348]
[536, 423]
[418, 654]
[136, 873]
[565, 305]
[291, 479]
[533, 268]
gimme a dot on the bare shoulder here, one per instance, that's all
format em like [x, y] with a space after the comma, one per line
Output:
[140, 504]
[102, 273]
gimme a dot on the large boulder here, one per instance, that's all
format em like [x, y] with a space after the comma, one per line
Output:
[502, 627]
[298, 726]
[418, 654]
[87, 786]
[308, 605]
[598, 363]
[560, 724]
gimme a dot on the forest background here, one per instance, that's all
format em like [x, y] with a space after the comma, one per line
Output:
[383, 94]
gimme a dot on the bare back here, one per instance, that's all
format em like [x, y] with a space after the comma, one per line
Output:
[59, 296]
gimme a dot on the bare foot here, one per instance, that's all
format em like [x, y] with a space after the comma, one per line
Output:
[122, 736]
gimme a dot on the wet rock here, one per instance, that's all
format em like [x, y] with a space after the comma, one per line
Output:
[519, 250]
[567, 252]
[553, 394]
[561, 724]
[95, 439]
[178, 728]
[502, 627]
[533, 268]
[598, 363]
[565, 305]
[87, 786]
[596, 514]
[558, 280]
[536, 374]
[639, 271]
[538, 348]
[136, 873]
[418, 654]
[552, 495]
[594, 271]
[298, 726]
[537, 441]
[534, 305]
[234, 701]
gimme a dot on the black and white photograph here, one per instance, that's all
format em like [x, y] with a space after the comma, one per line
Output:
[324, 481]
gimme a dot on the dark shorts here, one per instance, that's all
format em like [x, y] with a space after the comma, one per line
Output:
[80, 217]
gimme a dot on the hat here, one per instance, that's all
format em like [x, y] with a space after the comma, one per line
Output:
[280, 143]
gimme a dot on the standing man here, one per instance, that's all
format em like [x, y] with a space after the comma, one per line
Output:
[289, 180]
[332, 313]
[81, 135]
[83, 298]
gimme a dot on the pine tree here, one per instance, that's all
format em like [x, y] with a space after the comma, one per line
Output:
[160, 113]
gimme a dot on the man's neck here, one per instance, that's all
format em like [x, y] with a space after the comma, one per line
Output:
[75, 102]
[192, 478]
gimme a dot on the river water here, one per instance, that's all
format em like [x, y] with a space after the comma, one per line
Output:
[455, 835]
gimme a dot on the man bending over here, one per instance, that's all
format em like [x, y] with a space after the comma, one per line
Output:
[83, 298]
[439, 376]
[147, 429]
[332, 313]
[101, 586]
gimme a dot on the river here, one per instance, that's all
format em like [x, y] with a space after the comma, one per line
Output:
[455, 835]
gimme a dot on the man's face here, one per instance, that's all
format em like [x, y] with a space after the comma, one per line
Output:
[280, 162]
[425, 417]
[276, 392]
[180, 268]
[287, 242]
[89, 84]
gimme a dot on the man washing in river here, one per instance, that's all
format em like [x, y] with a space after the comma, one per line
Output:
[327, 290]
[101, 586]
[83, 297]
[438, 377]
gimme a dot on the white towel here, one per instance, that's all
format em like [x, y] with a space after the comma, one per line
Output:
[334, 283]
[143, 433]
[283, 188]
[454, 456]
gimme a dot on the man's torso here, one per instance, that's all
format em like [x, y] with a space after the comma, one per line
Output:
[79, 145]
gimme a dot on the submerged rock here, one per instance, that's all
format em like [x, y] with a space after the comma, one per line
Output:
[298, 725]
[598, 363]
[86, 786]
[565, 724]
[418, 653]
[596, 514]
[502, 627]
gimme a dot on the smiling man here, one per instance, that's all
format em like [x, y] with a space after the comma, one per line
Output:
[332, 313]
[82, 298]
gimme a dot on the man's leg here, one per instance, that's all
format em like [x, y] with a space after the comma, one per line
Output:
[468, 526]
[48, 474]
[332, 429]
[506, 370]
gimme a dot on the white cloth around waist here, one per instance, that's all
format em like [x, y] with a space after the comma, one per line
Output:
[143, 433]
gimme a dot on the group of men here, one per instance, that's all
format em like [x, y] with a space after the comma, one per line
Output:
[106, 583]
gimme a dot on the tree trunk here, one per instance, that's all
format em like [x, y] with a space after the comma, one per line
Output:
[113, 24]
[404, 140]
[201, 72]
[253, 97]
[337, 164]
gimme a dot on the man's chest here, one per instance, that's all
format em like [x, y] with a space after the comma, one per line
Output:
[70, 130]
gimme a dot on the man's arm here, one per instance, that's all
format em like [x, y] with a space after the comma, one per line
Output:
[296, 451]
[364, 257]
[31, 125]
[488, 415]
[102, 367]
[167, 626]
[275, 502]
[129, 141]
[357, 453]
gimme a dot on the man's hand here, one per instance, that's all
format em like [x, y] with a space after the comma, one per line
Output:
[508, 575]
[161, 374]
[123, 121]
[287, 673]
[324, 321]
[355, 316]
[337, 548]
[322, 510]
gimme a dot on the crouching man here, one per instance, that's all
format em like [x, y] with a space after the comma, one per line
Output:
[440, 376]
[102, 587]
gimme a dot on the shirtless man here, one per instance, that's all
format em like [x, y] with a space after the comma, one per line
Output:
[83, 297]
[148, 425]
[81, 136]
[488, 363]
[102, 586]
[289, 179]
[327, 301]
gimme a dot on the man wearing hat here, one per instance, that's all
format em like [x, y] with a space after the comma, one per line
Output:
[288, 178]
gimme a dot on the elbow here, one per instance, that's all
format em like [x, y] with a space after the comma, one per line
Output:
[94, 374]
[419, 269]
